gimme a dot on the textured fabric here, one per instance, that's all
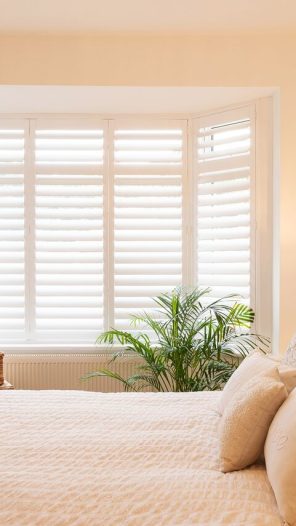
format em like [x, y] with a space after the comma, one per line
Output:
[287, 372]
[280, 457]
[250, 367]
[245, 422]
[290, 355]
[288, 376]
[126, 459]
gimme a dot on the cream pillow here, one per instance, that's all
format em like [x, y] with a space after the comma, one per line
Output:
[287, 372]
[288, 376]
[246, 419]
[251, 366]
[280, 458]
[290, 354]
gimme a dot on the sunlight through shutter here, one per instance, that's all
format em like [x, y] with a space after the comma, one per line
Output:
[149, 164]
[12, 257]
[97, 218]
[69, 162]
[224, 170]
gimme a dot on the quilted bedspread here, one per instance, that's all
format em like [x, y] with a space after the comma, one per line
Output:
[71, 458]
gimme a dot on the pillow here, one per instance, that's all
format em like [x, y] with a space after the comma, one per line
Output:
[280, 458]
[288, 376]
[252, 365]
[246, 419]
[287, 371]
[290, 355]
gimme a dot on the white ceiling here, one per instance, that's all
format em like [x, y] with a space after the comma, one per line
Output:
[152, 16]
[122, 99]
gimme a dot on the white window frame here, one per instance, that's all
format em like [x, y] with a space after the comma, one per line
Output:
[263, 205]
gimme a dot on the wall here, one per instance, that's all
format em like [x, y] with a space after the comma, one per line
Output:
[178, 61]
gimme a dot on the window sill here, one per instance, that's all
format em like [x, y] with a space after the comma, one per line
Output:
[58, 349]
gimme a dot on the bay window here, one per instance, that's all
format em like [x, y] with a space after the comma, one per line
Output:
[100, 215]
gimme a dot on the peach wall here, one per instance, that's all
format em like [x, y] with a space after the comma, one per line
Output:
[178, 61]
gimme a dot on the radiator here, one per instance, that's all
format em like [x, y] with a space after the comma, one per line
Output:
[64, 371]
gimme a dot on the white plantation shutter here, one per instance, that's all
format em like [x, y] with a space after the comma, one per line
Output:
[149, 166]
[99, 216]
[12, 228]
[69, 176]
[224, 171]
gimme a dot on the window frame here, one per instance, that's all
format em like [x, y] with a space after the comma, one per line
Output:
[262, 205]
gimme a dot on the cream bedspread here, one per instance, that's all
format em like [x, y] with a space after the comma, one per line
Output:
[72, 458]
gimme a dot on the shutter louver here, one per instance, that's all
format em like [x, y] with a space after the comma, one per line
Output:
[12, 255]
[69, 166]
[148, 172]
[225, 149]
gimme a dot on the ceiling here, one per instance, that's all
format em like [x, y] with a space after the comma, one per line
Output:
[122, 99]
[154, 16]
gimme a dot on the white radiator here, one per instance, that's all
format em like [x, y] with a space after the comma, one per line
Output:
[63, 371]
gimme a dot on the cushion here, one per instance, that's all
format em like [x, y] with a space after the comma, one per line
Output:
[280, 458]
[287, 370]
[290, 355]
[288, 376]
[252, 365]
[246, 419]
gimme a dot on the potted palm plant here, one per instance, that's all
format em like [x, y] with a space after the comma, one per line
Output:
[191, 344]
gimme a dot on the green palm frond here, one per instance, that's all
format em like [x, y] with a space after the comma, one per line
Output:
[196, 344]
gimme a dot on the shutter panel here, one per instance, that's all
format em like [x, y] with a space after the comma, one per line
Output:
[149, 165]
[12, 257]
[69, 169]
[225, 171]
[52, 278]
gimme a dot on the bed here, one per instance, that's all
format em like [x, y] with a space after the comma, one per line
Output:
[71, 458]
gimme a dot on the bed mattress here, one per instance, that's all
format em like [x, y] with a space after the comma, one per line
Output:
[71, 458]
